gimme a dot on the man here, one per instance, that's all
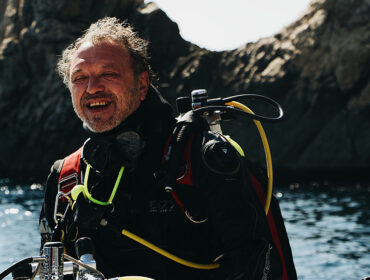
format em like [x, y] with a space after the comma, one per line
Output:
[206, 221]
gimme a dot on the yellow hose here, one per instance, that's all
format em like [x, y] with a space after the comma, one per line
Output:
[267, 152]
[167, 254]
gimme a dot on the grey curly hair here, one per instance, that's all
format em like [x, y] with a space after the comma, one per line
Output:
[109, 29]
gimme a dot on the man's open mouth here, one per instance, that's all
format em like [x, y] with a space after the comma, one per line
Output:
[98, 105]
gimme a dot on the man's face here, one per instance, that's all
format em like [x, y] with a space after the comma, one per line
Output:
[103, 86]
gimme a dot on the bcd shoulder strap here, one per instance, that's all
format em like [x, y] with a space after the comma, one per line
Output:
[70, 173]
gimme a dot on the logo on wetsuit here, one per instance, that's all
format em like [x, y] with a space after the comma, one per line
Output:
[161, 206]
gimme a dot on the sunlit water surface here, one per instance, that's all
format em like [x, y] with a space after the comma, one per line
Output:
[328, 226]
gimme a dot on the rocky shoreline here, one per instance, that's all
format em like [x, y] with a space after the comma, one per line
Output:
[316, 68]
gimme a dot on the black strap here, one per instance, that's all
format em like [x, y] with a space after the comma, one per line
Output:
[187, 125]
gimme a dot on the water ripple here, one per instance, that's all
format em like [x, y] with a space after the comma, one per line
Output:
[328, 227]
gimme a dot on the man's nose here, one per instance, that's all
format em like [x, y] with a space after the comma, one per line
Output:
[94, 85]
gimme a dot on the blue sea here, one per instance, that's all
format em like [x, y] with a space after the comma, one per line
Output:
[328, 226]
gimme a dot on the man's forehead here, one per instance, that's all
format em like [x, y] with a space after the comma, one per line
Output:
[103, 49]
[104, 55]
[79, 64]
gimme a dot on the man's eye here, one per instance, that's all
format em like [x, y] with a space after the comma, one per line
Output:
[79, 78]
[109, 74]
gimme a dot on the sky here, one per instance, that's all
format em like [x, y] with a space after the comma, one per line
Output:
[229, 24]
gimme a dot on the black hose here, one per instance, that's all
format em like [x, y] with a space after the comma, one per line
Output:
[240, 112]
[13, 267]
[219, 103]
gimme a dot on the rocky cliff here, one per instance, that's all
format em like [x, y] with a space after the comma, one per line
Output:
[317, 68]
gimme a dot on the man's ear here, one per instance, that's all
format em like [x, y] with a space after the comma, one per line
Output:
[143, 84]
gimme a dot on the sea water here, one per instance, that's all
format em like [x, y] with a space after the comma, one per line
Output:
[328, 227]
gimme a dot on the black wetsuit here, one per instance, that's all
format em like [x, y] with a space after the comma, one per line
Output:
[141, 206]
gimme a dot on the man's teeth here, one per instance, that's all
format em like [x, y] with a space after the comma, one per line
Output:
[95, 104]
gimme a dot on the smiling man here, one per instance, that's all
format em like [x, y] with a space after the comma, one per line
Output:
[105, 89]
[115, 180]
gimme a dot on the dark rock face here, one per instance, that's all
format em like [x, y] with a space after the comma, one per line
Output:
[317, 68]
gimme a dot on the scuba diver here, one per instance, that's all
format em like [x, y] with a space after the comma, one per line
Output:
[159, 197]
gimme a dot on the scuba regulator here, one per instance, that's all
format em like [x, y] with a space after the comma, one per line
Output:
[215, 110]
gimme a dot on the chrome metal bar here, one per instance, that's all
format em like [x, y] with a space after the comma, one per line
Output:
[88, 267]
